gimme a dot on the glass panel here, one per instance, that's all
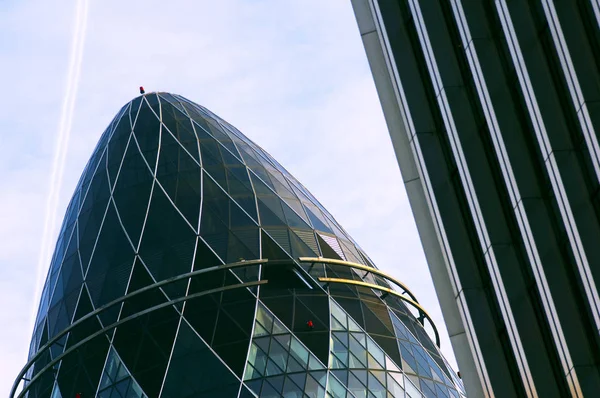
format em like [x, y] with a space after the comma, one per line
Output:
[264, 318]
[338, 346]
[314, 364]
[335, 388]
[284, 340]
[117, 380]
[353, 326]
[135, 391]
[294, 365]
[336, 363]
[268, 391]
[376, 352]
[56, 392]
[259, 330]
[343, 337]
[422, 364]
[278, 327]
[376, 387]
[428, 388]
[395, 388]
[300, 353]
[263, 343]
[341, 375]
[362, 339]
[339, 314]
[313, 389]
[251, 373]
[272, 368]
[278, 354]
[389, 365]
[321, 377]
[255, 385]
[258, 358]
[442, 391]
[355, 363]
[372, 363]
[276, 382]
[335, 325]
[356, 386]
[358, 350]
[299, 379]
[411, 390]
[291, 390]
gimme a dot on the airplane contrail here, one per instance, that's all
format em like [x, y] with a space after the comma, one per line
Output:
[61, 147]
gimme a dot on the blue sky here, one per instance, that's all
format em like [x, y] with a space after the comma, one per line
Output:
[291, 75]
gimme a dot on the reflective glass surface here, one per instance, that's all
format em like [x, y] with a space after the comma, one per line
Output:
[172, 189]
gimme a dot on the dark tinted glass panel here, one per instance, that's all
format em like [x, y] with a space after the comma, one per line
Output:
[194, 195]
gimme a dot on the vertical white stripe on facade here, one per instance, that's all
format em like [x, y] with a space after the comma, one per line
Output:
[596, 8]
[573, 83]
[472, 199]
[508, 175]
[552, 167]
[432, 203]
[558, 189]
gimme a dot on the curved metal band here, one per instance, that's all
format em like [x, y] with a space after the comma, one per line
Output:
[156, 285]
[363, 267]
[127, 319]
[388, 291]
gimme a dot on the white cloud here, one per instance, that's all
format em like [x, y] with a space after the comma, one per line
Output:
[291, 75]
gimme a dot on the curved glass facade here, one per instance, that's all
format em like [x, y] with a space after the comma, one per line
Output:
[191, 264]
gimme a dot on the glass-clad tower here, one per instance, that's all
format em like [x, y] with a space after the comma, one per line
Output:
[493, 107]
[191, 264]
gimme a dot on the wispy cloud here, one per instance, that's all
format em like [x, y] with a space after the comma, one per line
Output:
[61, 148]
[34, 40]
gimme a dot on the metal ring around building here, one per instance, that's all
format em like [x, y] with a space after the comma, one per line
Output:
[363, 267]
[388, 291]
[120, 322]
[223, 267]
[156, 285]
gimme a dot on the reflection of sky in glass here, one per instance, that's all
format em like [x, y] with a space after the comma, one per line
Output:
[172, 187]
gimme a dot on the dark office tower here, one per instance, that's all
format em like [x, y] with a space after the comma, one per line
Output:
[191, 264]
[494, 112]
